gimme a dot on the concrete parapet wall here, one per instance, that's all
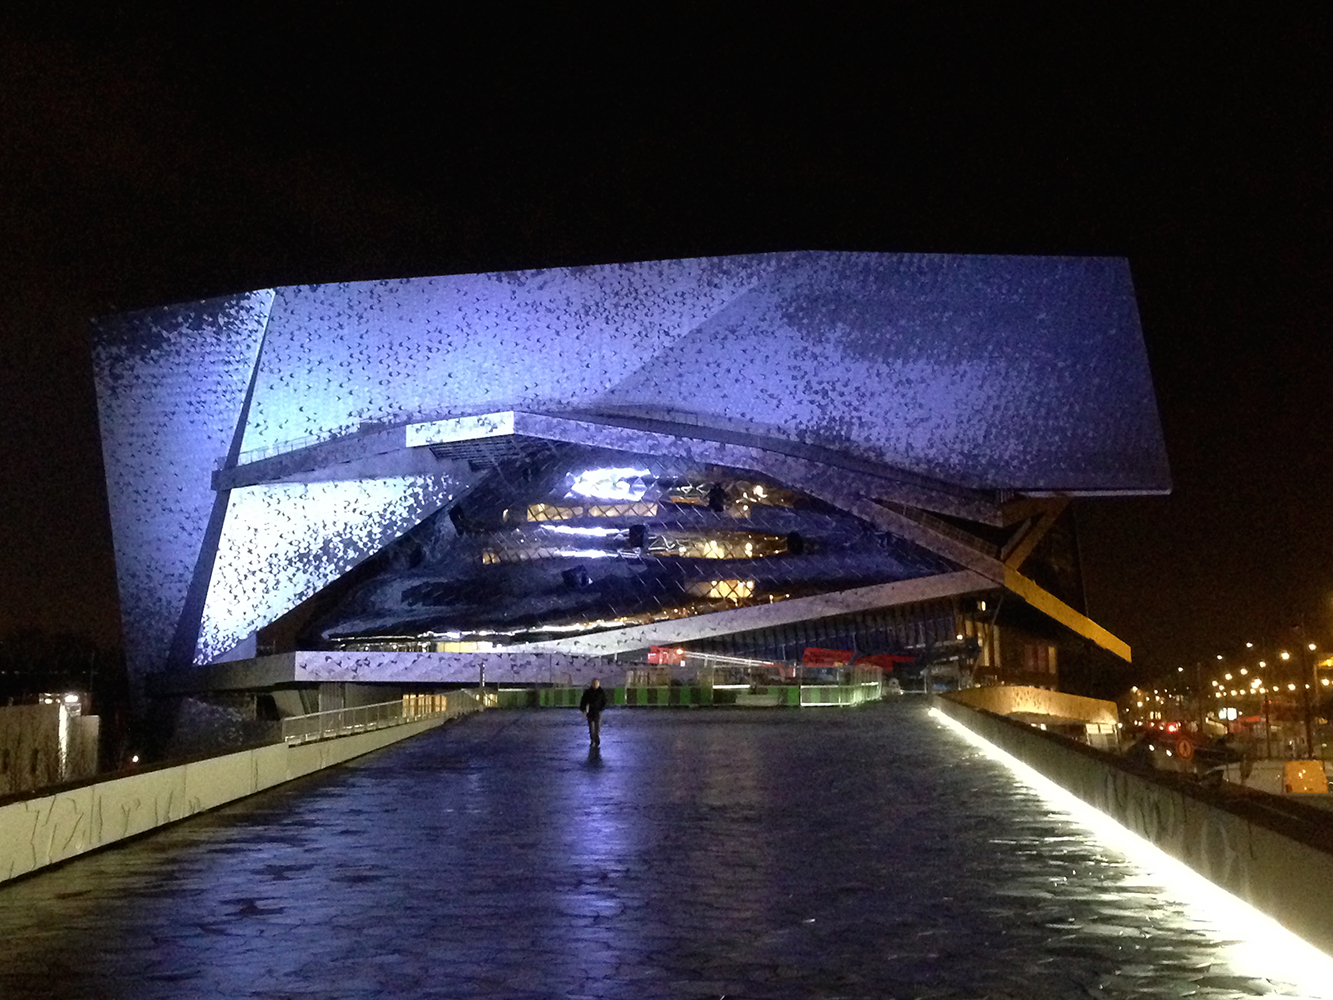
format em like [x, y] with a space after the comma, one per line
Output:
[1272, 854]
[40, 831]
[1017, 699]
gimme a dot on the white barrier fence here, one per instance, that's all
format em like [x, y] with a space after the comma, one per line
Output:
[856, 693]
[364, 718]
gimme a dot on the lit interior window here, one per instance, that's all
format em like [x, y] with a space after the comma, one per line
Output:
[724, 590]
[543, 512]
[735, 545]
[611, 484]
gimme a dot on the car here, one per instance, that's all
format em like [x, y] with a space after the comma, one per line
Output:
[1172, 747]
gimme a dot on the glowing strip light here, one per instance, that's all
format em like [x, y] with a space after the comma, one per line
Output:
[830, 704]
[64, 741]
[566, 529]
[1261, 947]
[722, 658]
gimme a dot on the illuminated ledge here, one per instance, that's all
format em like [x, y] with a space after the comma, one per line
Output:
[1039, 704]
[1264, 851]
[502, 666]
[796, 609]
[419, 448]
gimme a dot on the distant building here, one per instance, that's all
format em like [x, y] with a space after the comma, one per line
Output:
[400, 482]
[46, 743]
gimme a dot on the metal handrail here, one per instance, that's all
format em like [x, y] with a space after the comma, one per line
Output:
[363, 718]
[277, 448]
[861, 686]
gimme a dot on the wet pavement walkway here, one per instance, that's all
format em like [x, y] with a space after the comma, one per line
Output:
[706, 853]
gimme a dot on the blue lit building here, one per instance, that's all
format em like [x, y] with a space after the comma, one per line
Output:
[398, 482]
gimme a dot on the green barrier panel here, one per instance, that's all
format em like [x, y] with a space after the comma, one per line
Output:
[680, 696]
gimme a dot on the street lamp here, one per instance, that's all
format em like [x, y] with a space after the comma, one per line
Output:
[1308, 672]
[1268, 718]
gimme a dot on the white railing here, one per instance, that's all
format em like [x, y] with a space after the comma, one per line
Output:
[278, 448]
[863, 686]
[363, 718]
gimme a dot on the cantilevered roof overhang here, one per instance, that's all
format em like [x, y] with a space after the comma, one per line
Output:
[892, 500]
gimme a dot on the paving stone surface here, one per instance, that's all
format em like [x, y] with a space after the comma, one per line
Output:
[701, 854]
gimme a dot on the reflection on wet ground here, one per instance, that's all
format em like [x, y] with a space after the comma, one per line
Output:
[773, 854]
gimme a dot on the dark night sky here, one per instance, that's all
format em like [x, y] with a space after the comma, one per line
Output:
[148, 156]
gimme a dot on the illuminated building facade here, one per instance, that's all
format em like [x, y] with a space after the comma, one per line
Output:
[403, 481]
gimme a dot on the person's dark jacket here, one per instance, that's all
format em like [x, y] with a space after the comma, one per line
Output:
[593, 701]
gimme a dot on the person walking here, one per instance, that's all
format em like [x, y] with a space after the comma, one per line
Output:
[592, 704]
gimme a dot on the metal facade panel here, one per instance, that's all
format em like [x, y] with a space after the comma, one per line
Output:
[344, 354]
[170, 387]
[284, 542]
[985, 371]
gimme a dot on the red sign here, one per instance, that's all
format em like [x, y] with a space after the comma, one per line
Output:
[884, 661]
[816, 657]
